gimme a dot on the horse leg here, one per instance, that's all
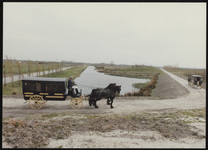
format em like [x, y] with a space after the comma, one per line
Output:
[108, 101]
[111, 103]
[91, 101]
[95, 104]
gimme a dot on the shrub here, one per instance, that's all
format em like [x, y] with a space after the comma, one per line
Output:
[145, 91]
[151, 85]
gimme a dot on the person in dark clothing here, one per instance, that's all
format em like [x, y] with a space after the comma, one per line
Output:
[70, 83]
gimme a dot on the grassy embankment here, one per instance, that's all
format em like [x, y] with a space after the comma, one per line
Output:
[141, 72]
[75, 72]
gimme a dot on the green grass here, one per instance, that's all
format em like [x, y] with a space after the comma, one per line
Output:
[143, 72]
[139, 85]
[140, 69]
[75, 72]
[144, 69]
[8, 90]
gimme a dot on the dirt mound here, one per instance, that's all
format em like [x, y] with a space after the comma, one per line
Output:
[36, 133]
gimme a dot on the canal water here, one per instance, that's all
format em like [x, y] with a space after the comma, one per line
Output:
[91, 79]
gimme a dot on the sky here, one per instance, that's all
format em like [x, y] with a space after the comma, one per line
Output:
[156, 34]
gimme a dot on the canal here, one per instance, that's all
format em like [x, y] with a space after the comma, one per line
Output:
[91, 79]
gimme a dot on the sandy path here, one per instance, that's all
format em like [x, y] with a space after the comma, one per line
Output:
[117, 138]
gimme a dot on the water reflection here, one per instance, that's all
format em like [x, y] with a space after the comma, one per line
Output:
[91, 79]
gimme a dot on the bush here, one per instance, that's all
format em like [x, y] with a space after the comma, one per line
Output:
[146, 90]
[146, 93]
[151, 85]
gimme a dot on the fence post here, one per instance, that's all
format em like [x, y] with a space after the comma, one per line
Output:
[60, 67]
[37, 69]
[52, 68]
[56, 68]
[5, 76]
[29, 68]
[48, 69]
[43, 70]
[11, 71]
[18, 65]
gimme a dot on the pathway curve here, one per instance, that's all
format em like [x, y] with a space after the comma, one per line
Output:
[196, 99]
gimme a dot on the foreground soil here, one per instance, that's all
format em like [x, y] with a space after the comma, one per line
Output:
[172, 118]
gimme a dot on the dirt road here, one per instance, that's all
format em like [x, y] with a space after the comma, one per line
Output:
[134, 135]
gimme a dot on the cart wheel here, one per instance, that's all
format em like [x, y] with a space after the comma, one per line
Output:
[36, 101]
[76, 103]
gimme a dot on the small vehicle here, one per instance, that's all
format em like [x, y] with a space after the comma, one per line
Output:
[196, 80]
[38, 90]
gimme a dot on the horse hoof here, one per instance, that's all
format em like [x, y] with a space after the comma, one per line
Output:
[112, 107]
[96, 106]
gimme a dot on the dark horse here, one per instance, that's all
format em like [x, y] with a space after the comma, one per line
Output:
[108, 93]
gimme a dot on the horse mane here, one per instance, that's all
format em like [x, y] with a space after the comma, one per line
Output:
[116, 88]
[110, 86]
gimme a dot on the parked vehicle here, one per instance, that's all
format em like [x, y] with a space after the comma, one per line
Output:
[195, 80]
[39, 90]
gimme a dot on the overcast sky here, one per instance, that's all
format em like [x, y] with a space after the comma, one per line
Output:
[155, 34]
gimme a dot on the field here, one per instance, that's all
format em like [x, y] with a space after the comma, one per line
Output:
[144, 72]
[14, 67]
